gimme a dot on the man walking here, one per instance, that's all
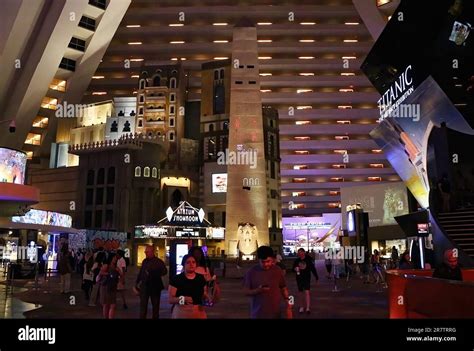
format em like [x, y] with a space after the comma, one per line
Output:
[265, 284]
[304, 266]
[149, 282]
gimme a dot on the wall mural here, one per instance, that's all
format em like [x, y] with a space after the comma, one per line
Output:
[108, 240]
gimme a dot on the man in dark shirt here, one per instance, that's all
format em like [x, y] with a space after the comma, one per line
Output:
[149, 282]
[449, 269]
[304, 266]
[265, 284]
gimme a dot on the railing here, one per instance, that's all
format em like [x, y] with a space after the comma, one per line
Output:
[415, 294]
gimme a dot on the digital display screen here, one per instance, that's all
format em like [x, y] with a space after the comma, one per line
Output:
[219, 183]
[12, 166]
[381, 201]
[215, 233]
[45, 218]
[181, 251]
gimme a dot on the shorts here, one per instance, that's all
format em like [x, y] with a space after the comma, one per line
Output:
[303, 284]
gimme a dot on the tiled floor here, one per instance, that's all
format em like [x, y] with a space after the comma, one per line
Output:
[353, 300]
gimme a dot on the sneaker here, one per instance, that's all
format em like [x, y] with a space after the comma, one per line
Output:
[301, 310]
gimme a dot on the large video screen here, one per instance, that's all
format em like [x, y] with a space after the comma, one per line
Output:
[44, 217]
[381, 201]
[12, 166]
[219, 183]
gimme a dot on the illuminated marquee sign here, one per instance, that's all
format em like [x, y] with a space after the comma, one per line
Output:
[187, 233]
[398, 92]
[318, 225]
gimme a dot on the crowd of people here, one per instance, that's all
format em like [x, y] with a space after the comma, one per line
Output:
[196, 287]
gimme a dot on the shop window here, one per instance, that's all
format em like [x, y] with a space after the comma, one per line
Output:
[99, 196]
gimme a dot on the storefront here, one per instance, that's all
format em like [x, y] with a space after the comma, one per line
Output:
[185, 226]
[41, 231]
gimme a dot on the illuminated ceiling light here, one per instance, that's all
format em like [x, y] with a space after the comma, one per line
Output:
[374, 179]
[297, 167]
[302, 138]
[302, 152]
[265, 90]
[343, 122]
[183, 58]
[343, 107]
[135, 43]
[264, 57]
[376, 165]
[133, 26]
[351, 23]
[99, 93]
[177, 42]
[220, 41]
[347, 74]
[306, 74]
[307, 23]
[265, 74]
[264, 23]
[306, 57]
[176, 24]
[343, 152]
[349, 57]
[346, 90]
[98, 77]
[300, 123]
[264, 40]
[220, 58]
[350, 40]
[137, 60]
[299, 91]
[458, 85]
[304, 107]
[135, 76]
[220, 24]
[306, 41]
[376, 151]
[174, 59]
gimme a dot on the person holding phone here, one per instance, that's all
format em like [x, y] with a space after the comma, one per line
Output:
[265, 284]
[304, 266]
